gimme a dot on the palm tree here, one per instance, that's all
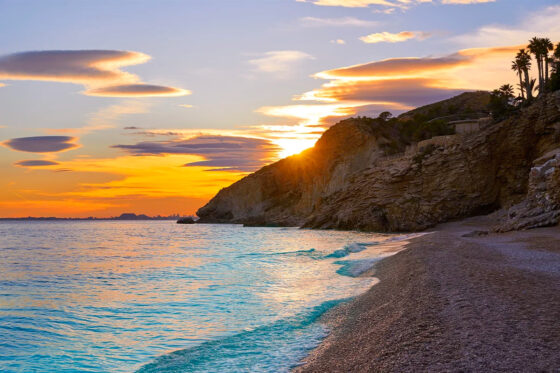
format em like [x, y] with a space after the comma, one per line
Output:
[516, 66]
[523, 62]
[535, 47]
[546, 46]
[506, 91]
[540, 48]
[530, 87]
[556, 59]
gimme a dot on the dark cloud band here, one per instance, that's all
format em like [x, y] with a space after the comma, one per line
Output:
[225, 152]
[36, 163]
[136, 90]
[42, 144]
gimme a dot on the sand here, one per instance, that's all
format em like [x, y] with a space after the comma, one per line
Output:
[453, 303]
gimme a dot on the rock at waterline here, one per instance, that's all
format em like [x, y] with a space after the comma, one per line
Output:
[187, 220]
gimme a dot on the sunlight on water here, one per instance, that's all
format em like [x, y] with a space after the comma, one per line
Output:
[120, 296]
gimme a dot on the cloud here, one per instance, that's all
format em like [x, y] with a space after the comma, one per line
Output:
[395, 67]
[98, 70]
[398, 84]
[36, 163]
[279, 62]
[463, 2]
[220, 152]
[410, 92]
[389, 4]
[310, 114]
[442, 70]
[356, 3]
[387, 37]
[42, 144]
[338, 41]
[543, 22]
[186, 106]
[385, 11]
[71, 66]
[106, 117]
[336, 22]
[137, 90]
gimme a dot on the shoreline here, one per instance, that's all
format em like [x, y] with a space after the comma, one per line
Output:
[452, 303]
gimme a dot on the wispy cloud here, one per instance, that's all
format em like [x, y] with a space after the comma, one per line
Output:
[412, 81]
[396, 84]
[42, 144]
[281, 63]
[36, 163]
[309, 114]
[384, 11]
[229, 153]
[107, 117]
[338, 41]
[100, 71]
[389, 5]
[336, 22]
[136, 90]
[395, 67]
[543, 22]
[387, 37]
[466, 1]
[358, 3]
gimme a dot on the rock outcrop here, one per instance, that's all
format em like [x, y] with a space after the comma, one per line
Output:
[541, 207]
[348, 180]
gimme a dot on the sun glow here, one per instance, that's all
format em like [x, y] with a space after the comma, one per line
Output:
[294, 146]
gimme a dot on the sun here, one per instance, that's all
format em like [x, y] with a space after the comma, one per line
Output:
[294, 146]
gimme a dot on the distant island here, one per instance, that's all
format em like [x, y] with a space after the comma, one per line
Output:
[124, 216]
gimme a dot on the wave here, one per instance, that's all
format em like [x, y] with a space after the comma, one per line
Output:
[354, 268]
[294, 253]
[351, 248]
[276, 347]
[355, 247]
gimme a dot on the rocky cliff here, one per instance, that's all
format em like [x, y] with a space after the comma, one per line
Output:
[359, 176]
[541, 207]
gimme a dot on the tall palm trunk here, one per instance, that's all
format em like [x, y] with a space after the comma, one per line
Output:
[521, 84]
[528, 85]
[546, 70]
[540, 68]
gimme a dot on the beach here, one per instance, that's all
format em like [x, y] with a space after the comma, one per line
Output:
[456, 299]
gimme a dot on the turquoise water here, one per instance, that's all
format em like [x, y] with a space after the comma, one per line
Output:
[161, 297]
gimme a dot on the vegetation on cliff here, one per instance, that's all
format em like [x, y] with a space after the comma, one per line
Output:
[547, 57]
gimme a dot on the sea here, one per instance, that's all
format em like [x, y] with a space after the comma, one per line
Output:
[155, 296]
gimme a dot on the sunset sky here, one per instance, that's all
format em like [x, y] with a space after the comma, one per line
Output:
[152, 106]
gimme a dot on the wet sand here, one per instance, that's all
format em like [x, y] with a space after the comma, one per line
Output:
[453, 303]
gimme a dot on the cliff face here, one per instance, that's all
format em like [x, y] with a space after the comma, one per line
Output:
[286, 192]
[541, 207]
[348, 182]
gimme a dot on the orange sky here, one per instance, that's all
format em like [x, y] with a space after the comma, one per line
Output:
[156, 129]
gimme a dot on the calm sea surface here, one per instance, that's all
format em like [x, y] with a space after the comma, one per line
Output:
[160, 297]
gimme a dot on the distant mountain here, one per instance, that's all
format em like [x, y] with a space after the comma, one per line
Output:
[124, 216]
